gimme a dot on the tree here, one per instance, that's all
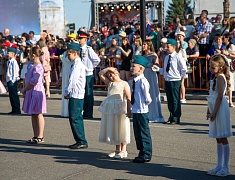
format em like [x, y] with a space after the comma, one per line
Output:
[176, 9]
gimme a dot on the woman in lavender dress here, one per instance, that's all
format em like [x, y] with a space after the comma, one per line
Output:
[34, 95]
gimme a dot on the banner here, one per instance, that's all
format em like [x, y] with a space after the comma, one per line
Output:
[111, 18]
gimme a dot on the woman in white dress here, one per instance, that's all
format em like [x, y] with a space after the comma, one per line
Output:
[64, 74]
[229, 52]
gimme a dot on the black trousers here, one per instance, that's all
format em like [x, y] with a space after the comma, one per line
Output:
[14, 97]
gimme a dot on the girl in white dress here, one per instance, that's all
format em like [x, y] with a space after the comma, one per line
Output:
[115, 126]
[219, 113]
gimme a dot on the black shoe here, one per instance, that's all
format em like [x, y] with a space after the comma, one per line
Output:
[72, 145]
[78, 146]
[170, 122]
[87, 117]
[166, 122]
[14, 113]
[141, 159]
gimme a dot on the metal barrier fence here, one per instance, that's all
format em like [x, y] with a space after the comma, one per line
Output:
[198, 79]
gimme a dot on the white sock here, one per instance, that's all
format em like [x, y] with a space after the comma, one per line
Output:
[219, 156]
[226, 149]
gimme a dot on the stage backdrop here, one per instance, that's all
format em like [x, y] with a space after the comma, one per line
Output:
[19, 16]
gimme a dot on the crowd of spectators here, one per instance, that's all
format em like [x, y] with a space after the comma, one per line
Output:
[116, 44]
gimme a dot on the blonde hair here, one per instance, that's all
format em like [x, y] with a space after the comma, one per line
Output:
[139, 40]
[102, 50]
[222, 61]
[41, 43]
[111, 72]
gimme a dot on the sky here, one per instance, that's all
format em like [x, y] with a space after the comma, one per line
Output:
[79, 12]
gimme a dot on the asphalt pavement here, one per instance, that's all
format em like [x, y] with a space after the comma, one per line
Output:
[179, 151]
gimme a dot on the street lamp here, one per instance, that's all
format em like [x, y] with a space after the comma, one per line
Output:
[142, 20]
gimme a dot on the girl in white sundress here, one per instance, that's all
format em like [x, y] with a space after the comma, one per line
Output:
[219, 113]
[115, 126]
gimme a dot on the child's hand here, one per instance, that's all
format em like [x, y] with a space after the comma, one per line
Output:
[212, 117]
[129, 115]
[66, 97]
[208, 116]
[23, 92]
[155, 68]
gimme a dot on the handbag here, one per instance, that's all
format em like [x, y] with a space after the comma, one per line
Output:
[232, 65]
[47, 68]
[2, 88]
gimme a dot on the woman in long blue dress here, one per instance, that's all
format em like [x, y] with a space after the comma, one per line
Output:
[155, 110]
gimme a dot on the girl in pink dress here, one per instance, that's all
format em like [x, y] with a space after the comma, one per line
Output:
[34, 95]
[45, 59]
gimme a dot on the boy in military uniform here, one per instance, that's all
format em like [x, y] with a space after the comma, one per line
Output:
[90, 59]
[12, 77]
[174, 70]
[75, 93]
[140, 99]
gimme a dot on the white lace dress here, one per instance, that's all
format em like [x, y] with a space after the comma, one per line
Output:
[115, 126]
[221, 126]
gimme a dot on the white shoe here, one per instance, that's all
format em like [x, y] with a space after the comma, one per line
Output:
[183, 101]
[213, 171]
[121, 155]
[223, 172]
[112, 154]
